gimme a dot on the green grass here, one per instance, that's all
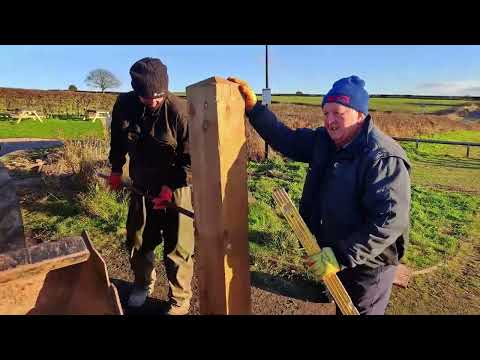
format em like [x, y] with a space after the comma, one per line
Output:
[414, 105]
[383, 104]
[445, 206]
[50, 129]
[465, 136]
[295, 99]
[378, 104]
[409, 105]
[101, 213]
[446, 166]
[439, 219]
[276, 172]
[444, 201]
[445, 196]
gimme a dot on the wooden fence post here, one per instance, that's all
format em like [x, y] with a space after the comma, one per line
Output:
[220, 197]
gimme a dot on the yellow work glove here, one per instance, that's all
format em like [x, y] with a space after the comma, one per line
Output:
[247, 93]
[323, 263]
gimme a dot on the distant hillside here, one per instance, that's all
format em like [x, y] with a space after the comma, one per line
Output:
[55, 101]
[64, 102]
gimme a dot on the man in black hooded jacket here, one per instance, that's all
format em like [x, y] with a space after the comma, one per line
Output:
[148, 125]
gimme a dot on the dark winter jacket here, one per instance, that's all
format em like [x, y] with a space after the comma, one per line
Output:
[355, 200]
[156, 142]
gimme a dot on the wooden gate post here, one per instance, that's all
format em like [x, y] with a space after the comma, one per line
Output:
[220, 196]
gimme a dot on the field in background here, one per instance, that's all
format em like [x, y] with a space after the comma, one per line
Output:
[445, 229]
[294, 116]
[393, 124]
[51, 129]
[408, 105]
[50, 102]
[383, 103]
[445, 199]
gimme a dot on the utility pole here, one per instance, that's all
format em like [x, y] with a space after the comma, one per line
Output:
[266, 94]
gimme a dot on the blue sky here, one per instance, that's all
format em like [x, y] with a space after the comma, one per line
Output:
[393, 69]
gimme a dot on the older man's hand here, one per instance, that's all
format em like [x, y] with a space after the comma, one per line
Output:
[247, 93]
[323, 263]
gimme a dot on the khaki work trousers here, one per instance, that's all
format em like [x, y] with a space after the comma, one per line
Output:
[147, 228]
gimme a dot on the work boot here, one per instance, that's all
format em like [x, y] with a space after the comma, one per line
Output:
[176, 309]
[138, 296]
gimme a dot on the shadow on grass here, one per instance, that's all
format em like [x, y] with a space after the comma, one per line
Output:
[67, 117]
[449, 161]
[261, 237]
[298, 288]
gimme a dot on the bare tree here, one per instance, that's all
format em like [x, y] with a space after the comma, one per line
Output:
[102, 79]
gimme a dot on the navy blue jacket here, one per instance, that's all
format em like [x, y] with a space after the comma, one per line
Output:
[355, 200]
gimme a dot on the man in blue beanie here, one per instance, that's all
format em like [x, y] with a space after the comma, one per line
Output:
[356, 197]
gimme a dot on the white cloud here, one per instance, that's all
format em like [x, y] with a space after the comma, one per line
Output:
[452, 88]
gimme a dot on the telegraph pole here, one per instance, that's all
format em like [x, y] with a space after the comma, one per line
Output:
[266, 94]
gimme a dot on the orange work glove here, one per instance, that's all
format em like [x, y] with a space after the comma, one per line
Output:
[165, 196]
[247, 93]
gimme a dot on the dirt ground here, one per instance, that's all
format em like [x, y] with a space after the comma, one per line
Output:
[269, 295]
[452, 289]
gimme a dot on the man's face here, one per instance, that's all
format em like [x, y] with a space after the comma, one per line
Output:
[152, 102]
[342, 123]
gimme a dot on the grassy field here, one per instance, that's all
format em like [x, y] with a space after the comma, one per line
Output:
[407, 105]
[446, 167]
[453, 288]
[102, 214]
[427, 106]
[445, 212]
[294, 116]
[451, 187]
[444, 237]
[444, 199]
[443, 204]
[50, 129]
